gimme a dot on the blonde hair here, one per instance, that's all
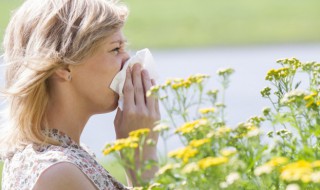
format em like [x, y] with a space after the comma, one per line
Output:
[42, 36]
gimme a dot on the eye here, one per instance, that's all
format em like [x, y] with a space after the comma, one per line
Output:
[116, 51]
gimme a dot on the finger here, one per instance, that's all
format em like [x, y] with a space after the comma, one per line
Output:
[147, 85]
[156, 100]
[128, 90]
[118, 117]
[137, 85]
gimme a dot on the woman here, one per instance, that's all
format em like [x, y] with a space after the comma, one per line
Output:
[62, 56]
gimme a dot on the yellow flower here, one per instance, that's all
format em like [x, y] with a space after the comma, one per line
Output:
[277, 161]
[226, 152]
[191, 167]
[154, 185]
[153, 90]
[225, 71]
[161, 127]
[219, 132]
[168, 82]
[276, 74]
[186, 84]
[206, 110]
[175, 86]
[269, 166]
[212, 161]
[297, 171]
[316, 164]
[200, 142]
[263, 169]
[108, 149]
[138, 133]
[178, 80]
[119, 144]
[166, 168]
[130, 142]
[184, 153]
[309, 104]
[190, 126]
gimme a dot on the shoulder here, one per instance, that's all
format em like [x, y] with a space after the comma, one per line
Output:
[62, 176]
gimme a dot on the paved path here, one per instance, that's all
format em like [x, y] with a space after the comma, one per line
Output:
[243, 97]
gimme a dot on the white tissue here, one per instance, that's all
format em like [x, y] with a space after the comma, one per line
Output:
[142, 57]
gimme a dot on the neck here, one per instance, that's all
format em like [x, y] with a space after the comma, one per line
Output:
[67, 117]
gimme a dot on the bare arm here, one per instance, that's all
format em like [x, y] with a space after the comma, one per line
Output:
[63, 176]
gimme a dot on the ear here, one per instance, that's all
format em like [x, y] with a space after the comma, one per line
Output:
[63, 73]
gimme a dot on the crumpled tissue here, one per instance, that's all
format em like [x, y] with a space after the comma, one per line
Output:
[142, 57]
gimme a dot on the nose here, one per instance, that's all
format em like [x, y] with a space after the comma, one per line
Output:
[125, 58]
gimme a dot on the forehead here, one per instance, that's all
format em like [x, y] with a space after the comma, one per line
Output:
[116, 37]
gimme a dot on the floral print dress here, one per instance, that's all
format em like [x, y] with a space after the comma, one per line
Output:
[22, 170]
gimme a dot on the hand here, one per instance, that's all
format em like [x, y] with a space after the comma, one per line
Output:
[139, 111]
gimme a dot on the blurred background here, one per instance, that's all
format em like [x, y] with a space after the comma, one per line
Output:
[188, 37]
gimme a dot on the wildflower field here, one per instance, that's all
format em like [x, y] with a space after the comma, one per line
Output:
[218, 156]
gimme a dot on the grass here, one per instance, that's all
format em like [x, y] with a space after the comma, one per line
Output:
[114, 168]
[181, 23]
[185, 23]
[6, 8]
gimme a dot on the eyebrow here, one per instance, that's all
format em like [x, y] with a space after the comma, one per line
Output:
[120, 41]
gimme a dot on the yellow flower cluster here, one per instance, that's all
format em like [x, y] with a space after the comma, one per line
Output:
[226, 152]
[276, 74]
[184, 153]
[161, 127]
[270, 165]
[167, 168]
[226, 71]
[266, 92]
[312, 100]
[301, 171]
[297, 171]
[247, 130]
[294, 96]
[119, 144]
[196, 143]
[212, 161]
[206, 110]
[219, 132]
[190, 126]
[190, 167]
[294, 63]
[138, 133]
[153, 91]
[186, 83]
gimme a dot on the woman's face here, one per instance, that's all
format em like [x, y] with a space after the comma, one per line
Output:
[91, 79]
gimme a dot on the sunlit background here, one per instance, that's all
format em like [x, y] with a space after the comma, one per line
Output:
[188, 37]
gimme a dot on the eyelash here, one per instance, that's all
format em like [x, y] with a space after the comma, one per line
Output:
[117, 50]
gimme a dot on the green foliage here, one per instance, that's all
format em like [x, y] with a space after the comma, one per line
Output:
[6, 7]
[243, 156]
[115, 169]
[189, 23]
[185, 23]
